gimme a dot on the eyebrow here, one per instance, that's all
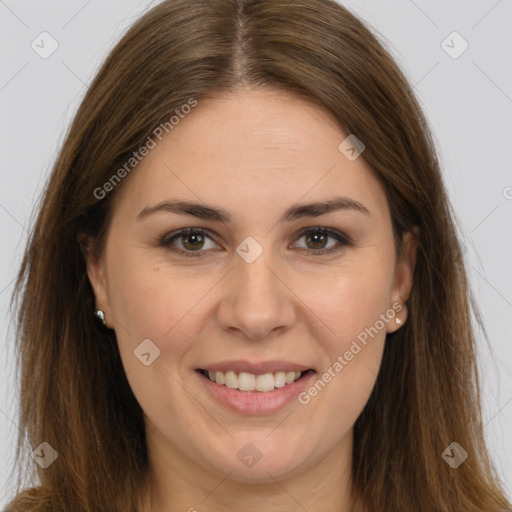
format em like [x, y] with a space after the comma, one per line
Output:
[205, 212]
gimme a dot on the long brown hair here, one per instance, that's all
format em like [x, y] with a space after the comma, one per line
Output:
[74, 393]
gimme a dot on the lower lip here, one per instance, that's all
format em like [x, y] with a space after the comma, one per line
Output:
[256, 402]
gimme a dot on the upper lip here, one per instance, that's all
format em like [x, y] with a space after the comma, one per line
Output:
[242, 365]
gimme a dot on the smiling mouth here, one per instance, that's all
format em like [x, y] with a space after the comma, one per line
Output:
[244, 381]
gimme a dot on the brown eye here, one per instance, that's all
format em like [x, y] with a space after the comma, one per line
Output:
[316, 240]
[192, 241]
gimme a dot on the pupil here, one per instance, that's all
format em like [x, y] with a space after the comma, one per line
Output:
[316, 238]
[187, 238]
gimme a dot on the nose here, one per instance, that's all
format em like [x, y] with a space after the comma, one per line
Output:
[256, 299]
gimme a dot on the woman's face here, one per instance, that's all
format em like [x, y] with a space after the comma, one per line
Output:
[253, 297]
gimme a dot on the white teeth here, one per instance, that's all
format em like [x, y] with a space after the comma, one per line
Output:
[231, 380]
[290, 377]
[264, 382]
[279, 379]
[246, 381]
[249, 382]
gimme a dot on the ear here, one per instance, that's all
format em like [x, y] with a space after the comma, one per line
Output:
[96, 272]
[402, 281]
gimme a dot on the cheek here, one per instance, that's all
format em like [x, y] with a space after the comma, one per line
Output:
[344, 384]
[350, 299]
[156, 303]
[353, 307]
[162, 307]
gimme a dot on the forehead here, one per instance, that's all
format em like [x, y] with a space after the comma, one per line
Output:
[252, 149]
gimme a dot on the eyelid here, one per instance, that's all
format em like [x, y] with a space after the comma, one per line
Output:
[167, 239]
[342, 239]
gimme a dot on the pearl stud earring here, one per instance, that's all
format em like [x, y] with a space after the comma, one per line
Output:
[99, 313]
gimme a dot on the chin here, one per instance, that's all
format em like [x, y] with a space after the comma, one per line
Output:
[261, 462]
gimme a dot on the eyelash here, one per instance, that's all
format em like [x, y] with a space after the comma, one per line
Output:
[343, 240]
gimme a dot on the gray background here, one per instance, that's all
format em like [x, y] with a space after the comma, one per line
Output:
[468, 101]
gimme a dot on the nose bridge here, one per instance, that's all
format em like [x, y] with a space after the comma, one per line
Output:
[259, 301]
